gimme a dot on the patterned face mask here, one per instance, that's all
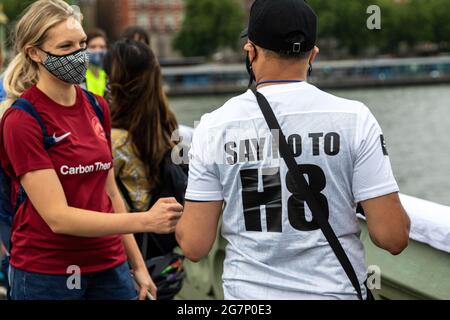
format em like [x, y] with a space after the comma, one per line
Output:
[70, 68]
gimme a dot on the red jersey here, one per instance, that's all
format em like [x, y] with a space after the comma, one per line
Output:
[82, 158]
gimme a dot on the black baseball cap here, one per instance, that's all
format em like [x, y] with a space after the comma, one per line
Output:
[284, 26]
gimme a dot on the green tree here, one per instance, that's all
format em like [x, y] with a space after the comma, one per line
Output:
[209, 25]
[13, 8]
[409, 22]
[345, 21]
[439, 15]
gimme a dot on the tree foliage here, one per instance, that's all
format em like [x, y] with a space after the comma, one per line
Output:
[408, 22]
[212, 24]
[14, 8]
[209, 25]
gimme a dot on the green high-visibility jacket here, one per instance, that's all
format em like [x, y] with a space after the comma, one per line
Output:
[96, 85]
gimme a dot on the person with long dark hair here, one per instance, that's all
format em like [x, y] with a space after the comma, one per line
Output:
[143, 125]
[136, 33]
[142, 120]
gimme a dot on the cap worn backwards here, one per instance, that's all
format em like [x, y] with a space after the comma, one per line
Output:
[284, 26]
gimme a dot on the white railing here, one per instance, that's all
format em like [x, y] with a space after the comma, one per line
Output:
[430, 222]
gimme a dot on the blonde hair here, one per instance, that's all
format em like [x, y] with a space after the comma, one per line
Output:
[31, 30]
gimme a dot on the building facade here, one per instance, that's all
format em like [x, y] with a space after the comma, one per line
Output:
[161, 18]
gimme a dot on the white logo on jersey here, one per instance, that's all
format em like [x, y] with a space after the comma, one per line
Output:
[61, 138]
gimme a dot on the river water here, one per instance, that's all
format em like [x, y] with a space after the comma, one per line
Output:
[416, 124]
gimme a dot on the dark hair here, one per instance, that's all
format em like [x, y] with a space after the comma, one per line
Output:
[139, 104]
[133, 31]
[284, 56]
[96, 33]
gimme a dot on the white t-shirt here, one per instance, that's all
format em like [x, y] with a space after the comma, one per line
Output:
[274, 249]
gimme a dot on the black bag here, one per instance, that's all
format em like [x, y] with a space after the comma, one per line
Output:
[157, 249]
[303, 188]
[173, 183]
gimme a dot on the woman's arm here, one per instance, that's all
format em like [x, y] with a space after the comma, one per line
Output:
[47, 195]
[131, 247]
[132, 250]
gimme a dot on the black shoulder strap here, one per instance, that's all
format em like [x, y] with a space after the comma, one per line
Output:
[48, 141]
[97, 109]
[26, 106]
[306, 193]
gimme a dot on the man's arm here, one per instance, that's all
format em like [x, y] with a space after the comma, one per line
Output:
[388, 223]
[374, 186]
[197, 229]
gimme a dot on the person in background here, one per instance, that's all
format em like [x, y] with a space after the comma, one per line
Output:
[78, 219]
[136, 33]
[97, 46]
[143, 124]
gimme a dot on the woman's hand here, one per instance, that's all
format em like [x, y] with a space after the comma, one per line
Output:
[163, 217]
[145, 283]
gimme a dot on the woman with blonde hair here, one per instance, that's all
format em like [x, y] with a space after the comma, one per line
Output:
[72, 220]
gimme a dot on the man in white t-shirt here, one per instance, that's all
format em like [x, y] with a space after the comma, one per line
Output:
[275, 249]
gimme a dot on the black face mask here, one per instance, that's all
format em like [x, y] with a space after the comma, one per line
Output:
[250, 69]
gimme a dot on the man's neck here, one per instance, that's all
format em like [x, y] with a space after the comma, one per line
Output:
[278, 76]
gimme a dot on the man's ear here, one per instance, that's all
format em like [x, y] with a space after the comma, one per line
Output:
[250, 48]
[35, 54]
[314, 54]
